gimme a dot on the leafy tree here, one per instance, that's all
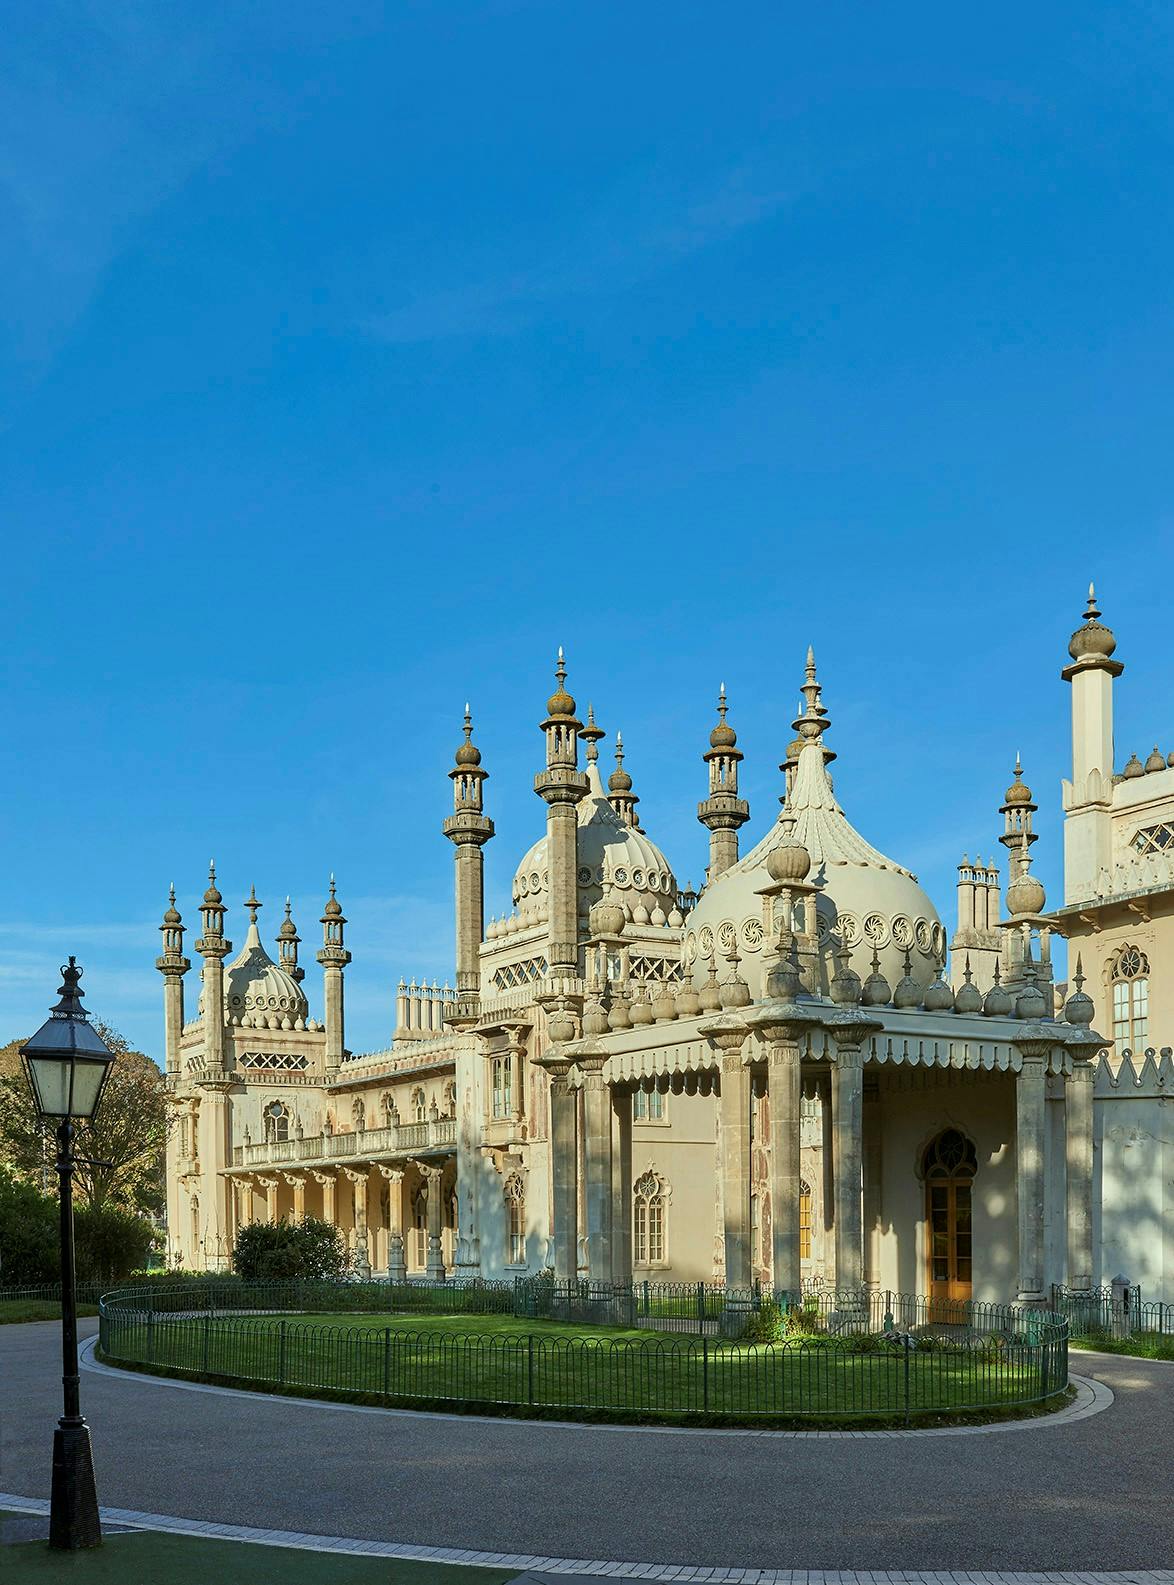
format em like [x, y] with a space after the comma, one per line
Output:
[128, 1136]
[29, 1234]
[308, 1250]
[110, 1243]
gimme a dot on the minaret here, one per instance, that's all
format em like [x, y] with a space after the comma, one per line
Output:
[561, 786]
[213, 947]
[619, 789]
[287, 946]
[173, 966]
[334, 958]
[723, 811]
[1087, 797]
[1018, 834]
[468, 828]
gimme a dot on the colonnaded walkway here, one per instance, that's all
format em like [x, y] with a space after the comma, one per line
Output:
[1090, 1494]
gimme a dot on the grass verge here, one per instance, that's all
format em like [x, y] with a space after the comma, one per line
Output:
[14, 1311]
[149, 1555]
[1142, 1345]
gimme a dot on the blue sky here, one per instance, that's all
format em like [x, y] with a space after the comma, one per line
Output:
[354, 357]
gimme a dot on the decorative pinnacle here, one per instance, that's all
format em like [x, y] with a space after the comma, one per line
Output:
[811, 724]
[468, 728]
[722, 706]
[1078, 977]
[560, 669]
[69, 991]
[966, 974]
[591, 735]
[288, 907]
[252, 904]
[1091, 612]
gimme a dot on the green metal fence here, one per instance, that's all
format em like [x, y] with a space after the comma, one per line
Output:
[857, 1375]
[1116, 1311]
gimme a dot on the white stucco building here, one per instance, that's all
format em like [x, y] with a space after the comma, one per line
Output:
[778, 1079]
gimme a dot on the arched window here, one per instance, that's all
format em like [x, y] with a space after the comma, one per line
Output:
[648, 1107]
[949, 1164]
[419, 1106]
[515, 1206]
[387, 1109]
[1131, 999]
[358, 1115]
[804, 1220]
[276, 1123]
[195, 1229]
[450, 1098]
[649, 1242]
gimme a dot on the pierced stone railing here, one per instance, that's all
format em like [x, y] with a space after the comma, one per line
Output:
[398, 1139]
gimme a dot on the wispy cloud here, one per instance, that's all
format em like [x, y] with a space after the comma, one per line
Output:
[626, 240]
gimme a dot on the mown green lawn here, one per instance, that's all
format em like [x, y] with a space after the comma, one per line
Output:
[15, 1310]
[498, 1360]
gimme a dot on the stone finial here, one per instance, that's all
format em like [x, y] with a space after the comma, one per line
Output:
[1079, 1009]
[875, 991]
[591, 734]
[907, 992]
[968, 997]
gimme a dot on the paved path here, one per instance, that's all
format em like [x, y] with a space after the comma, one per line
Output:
[1088, 1496]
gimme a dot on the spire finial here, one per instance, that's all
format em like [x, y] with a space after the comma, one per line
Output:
[966, 974]
[332, 883]
[722, 706]
[1091, 612]
[288, 907]
[812, 723]
[171, 893]
[591, 735]
[560, 669]
[1078, 977]
[212, 872]
[468, 727]
[252, 904]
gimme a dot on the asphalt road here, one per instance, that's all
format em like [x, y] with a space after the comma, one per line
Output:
[1091, 1495]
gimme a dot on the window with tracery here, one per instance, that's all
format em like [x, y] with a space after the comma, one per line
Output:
[1131, 999]
[387, 1108]
[420, 1227]
[419, 1106]
[649, 1230]
[276, 1122]
[949, 1165]
[358, 1116]
[1155, 839]
[450, 1098]
[648, 1107]
[515, 1205]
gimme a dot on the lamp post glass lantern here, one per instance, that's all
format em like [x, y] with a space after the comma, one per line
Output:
[67, 1063]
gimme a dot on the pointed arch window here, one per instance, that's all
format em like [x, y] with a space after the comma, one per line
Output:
[276, 1123]
[515, 1205]
[450, 1098]
[1130, 981]
[949, 1164]
[419, 1106]
[804, 1220]
[420, 1227]
[358, 1115]
[650, 1222]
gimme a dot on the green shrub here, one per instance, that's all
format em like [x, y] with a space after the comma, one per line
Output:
[110, 1243]
[764, 1324]
[806, 1322]
[283, 1251]
[30, 1249]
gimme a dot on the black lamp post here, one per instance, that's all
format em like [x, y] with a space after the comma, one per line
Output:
[67, 1062]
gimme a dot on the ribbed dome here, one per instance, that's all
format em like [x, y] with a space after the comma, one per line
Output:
[865, 900]
[254, 984]
[1093, 638]
[612, 855]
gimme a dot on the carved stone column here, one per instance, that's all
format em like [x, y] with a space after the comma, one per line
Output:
[329, 1195]
[850, 1030]
[599, 1166]
[1030, 1186]
[1079, 1134]
[397, 1269]
[358, 1178]
[621, 1184]
[434, 1266]
[783, 1027]
[564, 1144]
[727, 1034]
[297, 1183]
[271, 1186]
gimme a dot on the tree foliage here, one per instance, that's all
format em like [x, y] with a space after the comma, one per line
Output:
[30, 1250]
[110, 1243]
[124, 1148]
[280, 1251]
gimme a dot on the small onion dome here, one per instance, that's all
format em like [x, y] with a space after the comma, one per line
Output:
[968, 997]
[845, 986]
[794, 748]
[333, 909]
[1025, 895]
[595, 1019]
[289, 931]
[734, 992]
[907, 992]
[1093, 638]
[1078, 1009]
[1156, 761]
[875, 992]
[710, 992]
[606, 918]
[723, 735]
[1030, 1003]
[789, 862]
[560, 702]
[1134, 767]
[688, 1001]
[468, 754]
[939, 998]
[212, 895]
[172, 917]
[997, 1002]
[619, 780]
[1018, 792]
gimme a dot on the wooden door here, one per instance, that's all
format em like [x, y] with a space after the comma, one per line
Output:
[949, 1164]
